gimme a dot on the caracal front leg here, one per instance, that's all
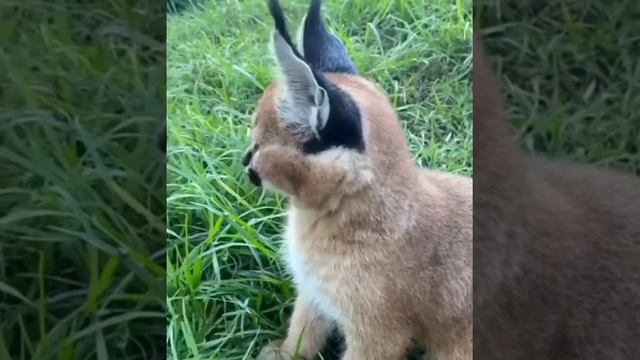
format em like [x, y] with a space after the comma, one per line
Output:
[306, 322]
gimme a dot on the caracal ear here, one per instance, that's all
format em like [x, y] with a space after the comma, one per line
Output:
[321, 48]
[304, 105]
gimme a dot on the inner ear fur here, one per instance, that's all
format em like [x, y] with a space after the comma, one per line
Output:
[304, 104]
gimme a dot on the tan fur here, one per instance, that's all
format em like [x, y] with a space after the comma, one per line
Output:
[556, 248]
[383, 246]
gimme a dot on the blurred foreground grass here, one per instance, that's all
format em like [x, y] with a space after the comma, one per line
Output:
[81, 180]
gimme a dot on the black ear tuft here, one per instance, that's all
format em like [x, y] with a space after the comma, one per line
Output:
[281, 25]
[322, 49]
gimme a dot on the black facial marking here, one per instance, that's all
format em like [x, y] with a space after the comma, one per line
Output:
[344, 126]
[254, 178]
[323, 50]
[247, 158]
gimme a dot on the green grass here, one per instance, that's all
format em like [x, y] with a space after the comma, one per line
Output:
[570, 71]
[81, 180]
[227, 292]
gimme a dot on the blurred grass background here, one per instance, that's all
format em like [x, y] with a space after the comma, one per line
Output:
[82, 91]
[571, 75]
[227, 292]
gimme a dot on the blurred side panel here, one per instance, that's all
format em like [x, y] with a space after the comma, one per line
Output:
[82, 199]
[556, 186]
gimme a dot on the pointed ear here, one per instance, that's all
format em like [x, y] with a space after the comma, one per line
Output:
[492, 136]
[488, 102]
[304, 105]
[322, 49]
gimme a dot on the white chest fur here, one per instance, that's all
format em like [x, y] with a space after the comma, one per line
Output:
[309, 270]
